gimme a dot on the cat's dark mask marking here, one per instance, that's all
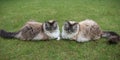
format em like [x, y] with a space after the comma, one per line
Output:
[51, 25]
[70, 27]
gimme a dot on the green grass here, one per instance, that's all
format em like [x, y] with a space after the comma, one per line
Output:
[14, 14]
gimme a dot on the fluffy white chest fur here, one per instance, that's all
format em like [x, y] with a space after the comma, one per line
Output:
[38, 37]
[53, 35]
[82, 38]
[65, 35]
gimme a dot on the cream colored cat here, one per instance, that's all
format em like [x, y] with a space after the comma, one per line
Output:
[83, 31]
[35, 31]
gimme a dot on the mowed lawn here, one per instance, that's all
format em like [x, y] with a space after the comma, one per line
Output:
[14, 14]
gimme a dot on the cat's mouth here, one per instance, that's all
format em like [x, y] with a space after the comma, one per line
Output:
[51, 31]
[68, 32]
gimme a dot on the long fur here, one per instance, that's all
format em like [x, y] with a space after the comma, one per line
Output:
[87, 30]
[30, 30]
[33, 31]
[6, 34]
[112, 37]
[70, 36]
[52, 35]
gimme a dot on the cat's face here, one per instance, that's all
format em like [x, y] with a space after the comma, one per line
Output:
[51, 25]
[71, 27]
[51, 29]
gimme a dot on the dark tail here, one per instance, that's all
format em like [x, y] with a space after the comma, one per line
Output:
[5, 34]
[113, 37]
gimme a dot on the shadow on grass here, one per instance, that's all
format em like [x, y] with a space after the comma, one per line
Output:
[66, 40]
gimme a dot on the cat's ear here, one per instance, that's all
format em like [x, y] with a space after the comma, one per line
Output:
[46, 24]
[76, 23]
[66, 24]
[75, 26]
[55, 23]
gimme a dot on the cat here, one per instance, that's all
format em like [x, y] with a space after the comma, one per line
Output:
[113, 37]
[33, 30]
[81, 31]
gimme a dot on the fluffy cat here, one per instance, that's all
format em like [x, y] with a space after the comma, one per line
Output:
[35, 31]
[81, 32]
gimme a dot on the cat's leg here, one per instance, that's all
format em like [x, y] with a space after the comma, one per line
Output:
[63, 35]
[58, 38]
[82, 39]
[97, 37]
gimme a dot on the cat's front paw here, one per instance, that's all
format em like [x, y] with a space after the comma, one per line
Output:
[58, 38]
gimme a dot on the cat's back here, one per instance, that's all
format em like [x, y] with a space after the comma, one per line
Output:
[33, 23]
[30, 30]
[90, 29]
[88, 22]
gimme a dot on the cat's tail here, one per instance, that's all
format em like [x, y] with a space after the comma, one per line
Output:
[112, 37]
[5, 34]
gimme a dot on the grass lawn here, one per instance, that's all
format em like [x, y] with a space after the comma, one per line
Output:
[14, 14]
